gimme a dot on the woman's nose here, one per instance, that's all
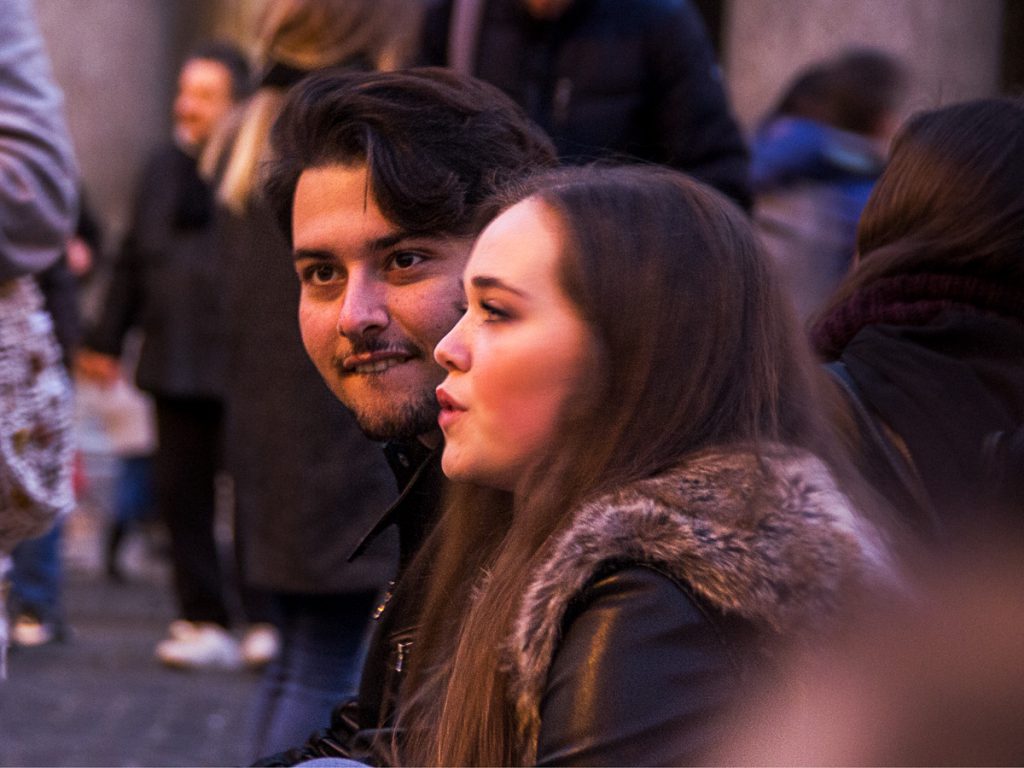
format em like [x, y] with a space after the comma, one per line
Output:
[451, 352]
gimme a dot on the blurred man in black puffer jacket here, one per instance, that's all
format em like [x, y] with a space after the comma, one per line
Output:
[605, 78]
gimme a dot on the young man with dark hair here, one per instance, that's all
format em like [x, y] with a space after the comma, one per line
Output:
[380, 183]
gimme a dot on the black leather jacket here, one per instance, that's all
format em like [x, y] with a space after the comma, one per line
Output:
[361, 727]
[605, 703]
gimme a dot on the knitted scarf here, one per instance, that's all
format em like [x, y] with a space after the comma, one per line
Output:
[914, 299]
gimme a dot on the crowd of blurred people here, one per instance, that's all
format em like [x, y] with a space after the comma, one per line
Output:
[677, 424]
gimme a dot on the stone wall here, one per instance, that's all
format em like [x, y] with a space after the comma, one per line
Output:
[952, 46]
[117, 61]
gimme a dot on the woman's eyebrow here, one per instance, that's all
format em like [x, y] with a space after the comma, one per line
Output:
[485, 281]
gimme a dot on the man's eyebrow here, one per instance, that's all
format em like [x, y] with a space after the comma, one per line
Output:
[485, 281]
[389, 241]
[316, 254]
[380, 244]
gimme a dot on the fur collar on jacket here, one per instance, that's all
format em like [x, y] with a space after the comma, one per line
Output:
[780, 554]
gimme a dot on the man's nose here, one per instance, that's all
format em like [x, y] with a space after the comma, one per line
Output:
[364, 308]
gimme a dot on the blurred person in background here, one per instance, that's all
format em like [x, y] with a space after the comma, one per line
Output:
[167, 282]
[307, 482]
[604, 78]
[36, 578]
[926, 334]
[38, 182]
[814, 162]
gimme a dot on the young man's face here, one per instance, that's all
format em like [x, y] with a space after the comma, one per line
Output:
[375, 300]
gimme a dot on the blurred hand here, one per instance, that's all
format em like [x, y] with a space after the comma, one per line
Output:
[79, 256]
[97, 367]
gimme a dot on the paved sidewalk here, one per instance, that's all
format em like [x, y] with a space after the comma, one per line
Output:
[101, 699]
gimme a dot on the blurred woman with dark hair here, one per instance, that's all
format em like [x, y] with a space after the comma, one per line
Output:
[648, 499]
[927, 332]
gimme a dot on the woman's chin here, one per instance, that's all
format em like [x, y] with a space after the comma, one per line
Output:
[454, 468]
[457, 468]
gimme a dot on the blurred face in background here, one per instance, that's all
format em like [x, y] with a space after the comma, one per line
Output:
[204, 98]
[516, 357]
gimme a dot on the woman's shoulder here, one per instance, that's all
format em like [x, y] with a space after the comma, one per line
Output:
[637, 623]
[769, 537]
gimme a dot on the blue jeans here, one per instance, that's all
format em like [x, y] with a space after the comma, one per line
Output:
[36, 577]
[133, 496]
[323, 644]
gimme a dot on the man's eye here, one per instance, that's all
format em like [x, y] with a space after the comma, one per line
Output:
[318, 274]
[406, 259]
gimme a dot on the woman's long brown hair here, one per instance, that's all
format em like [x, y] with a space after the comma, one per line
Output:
[696, 348]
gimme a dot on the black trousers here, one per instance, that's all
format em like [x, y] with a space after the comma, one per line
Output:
[186, 463]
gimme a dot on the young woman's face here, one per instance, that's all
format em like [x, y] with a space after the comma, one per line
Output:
[516, 356]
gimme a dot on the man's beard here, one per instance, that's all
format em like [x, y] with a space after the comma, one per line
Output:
[404, 421]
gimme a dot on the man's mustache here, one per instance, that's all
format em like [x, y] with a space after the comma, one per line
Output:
[370, 345]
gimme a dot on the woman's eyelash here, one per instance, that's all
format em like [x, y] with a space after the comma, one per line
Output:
[492, 311]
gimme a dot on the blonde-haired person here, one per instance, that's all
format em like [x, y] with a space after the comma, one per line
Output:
[307, 482]
[297, 37]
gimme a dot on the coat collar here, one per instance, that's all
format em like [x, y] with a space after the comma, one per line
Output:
[416, 509]
[774, 542]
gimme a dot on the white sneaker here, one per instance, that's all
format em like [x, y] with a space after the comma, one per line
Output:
[261, 645]
[29, 632]
[180, 629]
[194, 645]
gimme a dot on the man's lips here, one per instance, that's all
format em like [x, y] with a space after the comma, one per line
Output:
[373, 362]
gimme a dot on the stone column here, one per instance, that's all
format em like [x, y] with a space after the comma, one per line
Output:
[113, 58]
[951, 46]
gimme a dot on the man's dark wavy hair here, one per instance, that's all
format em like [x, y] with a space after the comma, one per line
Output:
[437, 144]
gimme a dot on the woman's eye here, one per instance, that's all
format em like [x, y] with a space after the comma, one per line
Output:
[492, 313]
[406, 259]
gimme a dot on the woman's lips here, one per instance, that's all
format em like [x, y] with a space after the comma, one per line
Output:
[451, 408]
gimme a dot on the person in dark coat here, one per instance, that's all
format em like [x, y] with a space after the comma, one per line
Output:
[605, 78]
[379, 185]
[167, 283]
[927, 331]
